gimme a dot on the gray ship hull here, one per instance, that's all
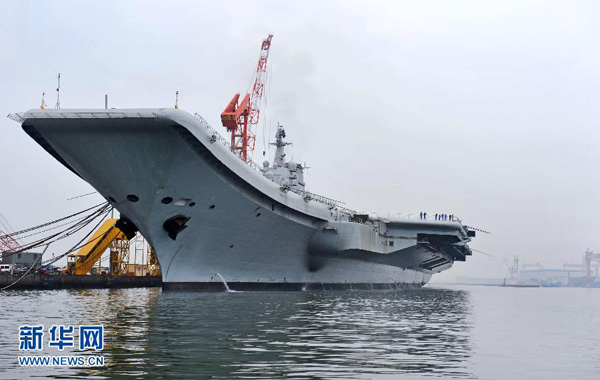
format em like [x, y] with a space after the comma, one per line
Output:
[240, 227]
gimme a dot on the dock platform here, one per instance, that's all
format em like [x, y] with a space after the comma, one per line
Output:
[49, 282]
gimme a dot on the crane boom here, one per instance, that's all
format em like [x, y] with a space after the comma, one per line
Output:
[241, 118]
[81, 262]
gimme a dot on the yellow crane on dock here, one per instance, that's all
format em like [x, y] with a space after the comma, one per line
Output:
[108, 235]
[81, 263]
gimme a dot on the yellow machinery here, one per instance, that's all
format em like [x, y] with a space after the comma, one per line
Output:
[81, 263]
[109, 235]
[119, 257]
[152, 263]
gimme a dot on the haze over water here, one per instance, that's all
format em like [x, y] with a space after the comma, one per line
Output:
[463, 332]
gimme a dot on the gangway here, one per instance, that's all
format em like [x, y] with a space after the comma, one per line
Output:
[81, 263]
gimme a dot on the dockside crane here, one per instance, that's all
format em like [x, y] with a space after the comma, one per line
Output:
[117, 236]
[241, 117]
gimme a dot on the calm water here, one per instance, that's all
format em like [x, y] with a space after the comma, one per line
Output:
[461, 332]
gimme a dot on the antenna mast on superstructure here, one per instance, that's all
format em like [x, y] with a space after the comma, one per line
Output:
[177, 100]
[43, 105]
[58, 93]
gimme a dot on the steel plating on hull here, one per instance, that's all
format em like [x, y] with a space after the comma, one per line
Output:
[211, 217]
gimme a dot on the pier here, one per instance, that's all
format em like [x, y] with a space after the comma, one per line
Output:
[50, 282]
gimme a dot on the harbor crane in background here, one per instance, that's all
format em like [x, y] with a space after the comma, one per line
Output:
[513, 271]
[591, 257]
[590, 263]
[241, 117]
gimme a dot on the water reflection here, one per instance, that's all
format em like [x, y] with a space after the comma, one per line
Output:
[326, 334]
[299, 334]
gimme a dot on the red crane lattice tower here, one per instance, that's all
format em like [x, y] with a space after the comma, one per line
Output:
[7, 243]
[589, 257]
[241, 118]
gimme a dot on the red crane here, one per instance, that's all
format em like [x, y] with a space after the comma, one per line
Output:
[241, 118]
[589, 257]
[7, 242]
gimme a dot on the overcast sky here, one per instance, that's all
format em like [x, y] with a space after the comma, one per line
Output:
[487, 110]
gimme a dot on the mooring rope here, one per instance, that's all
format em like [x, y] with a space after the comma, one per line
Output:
[82, 195]
[477, 229]
[65, 233]
[12, 234]
[99, 213]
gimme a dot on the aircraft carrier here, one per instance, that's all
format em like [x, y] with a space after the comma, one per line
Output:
[216, 220]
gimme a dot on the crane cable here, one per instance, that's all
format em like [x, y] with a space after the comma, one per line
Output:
[265, 113]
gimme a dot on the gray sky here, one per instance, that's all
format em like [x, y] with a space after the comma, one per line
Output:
[487, 110]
